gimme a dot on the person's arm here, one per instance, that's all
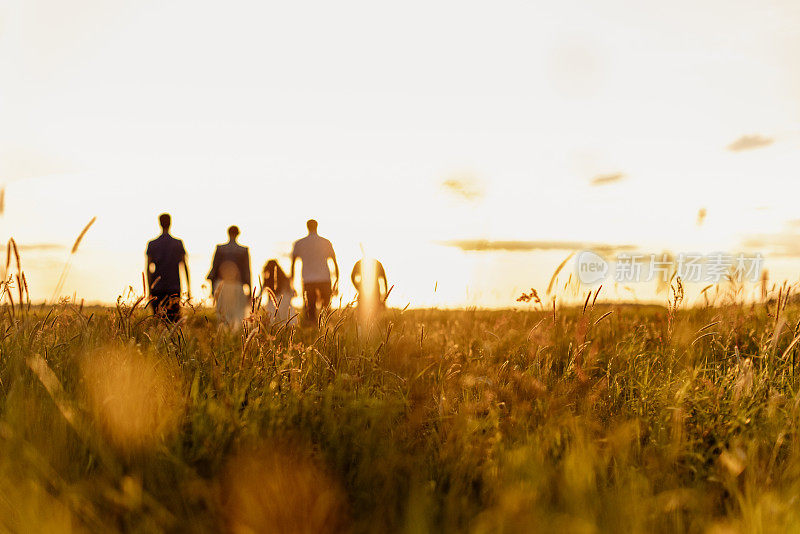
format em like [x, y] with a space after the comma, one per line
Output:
[336, 269]
[183, 262]
[355, 274]
[382, 276]
[188, 282]
[212, 274]
[148, 274]
[246, 276]
[291, 271]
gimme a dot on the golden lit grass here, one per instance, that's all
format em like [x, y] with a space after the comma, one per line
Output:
[135, 401]
[65, 271]
[28, 507]
[597, 418]
[280, 489]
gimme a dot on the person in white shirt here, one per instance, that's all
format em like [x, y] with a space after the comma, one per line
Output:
[315, 251]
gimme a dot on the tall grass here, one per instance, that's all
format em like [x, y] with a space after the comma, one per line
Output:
[598, 418]
[68, 264]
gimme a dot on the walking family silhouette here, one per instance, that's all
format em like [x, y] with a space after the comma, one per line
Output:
[231, 285]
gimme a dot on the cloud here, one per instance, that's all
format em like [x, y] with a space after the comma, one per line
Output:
[606, 179]
[485, 245]
[465, 187]
[750, 142]
[785, 244]
[19, 163]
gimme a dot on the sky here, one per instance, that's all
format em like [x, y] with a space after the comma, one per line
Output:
[413, 130]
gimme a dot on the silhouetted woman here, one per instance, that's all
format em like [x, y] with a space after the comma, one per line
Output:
[230, 279]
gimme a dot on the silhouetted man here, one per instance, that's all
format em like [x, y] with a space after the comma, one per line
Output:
[315, 251]
[367, 281]
[230, 273]
[165, 255]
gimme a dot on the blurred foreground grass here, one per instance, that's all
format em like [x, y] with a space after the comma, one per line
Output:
[643, 419]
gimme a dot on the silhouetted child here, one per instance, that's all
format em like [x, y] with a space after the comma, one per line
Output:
[370, 282]
[277, 291]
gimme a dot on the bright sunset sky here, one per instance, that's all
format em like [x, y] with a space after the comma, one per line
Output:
[409, 127]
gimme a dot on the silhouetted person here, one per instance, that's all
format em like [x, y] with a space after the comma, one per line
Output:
[367, 282]
[164, 256]
[277, 290]
[315, 251]
[229, 275]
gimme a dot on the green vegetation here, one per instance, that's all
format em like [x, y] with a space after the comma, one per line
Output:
[596, 419]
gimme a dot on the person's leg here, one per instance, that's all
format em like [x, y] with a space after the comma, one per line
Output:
[173, 308]
[325, 292]
[153, 303]
[157, 303]
[310, 293]
[166, 306]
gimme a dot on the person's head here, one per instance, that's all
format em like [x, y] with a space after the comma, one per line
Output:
[233, 232]
[165, 221]
[311, 224]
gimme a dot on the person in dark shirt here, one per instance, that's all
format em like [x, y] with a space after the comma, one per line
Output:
[165, 255]
[230, 279]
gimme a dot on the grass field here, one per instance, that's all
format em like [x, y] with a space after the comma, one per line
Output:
[597, 419]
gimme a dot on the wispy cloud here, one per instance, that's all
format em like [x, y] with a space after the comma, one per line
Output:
[784, 243]
[19, 163]
[606, 179]
[465, 187]
[485, 245]
[750, 142]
